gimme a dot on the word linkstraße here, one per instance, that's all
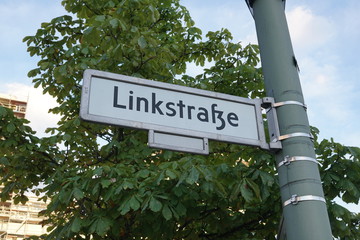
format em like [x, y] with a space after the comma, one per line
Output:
[177, 109]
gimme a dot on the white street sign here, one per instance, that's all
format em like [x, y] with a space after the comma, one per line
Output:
[144, 104]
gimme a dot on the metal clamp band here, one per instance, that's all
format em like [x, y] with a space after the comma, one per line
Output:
[291, 135]
[288, 160]
[295, 199]
[279, 104]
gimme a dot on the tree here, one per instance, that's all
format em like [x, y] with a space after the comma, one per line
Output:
[104, 182]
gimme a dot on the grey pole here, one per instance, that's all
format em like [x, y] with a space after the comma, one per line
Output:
[304, 208]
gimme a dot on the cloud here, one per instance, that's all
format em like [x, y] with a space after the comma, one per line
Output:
[308, 31]
[327, 69]
[349, 20]
[329, 100]
[37, 111]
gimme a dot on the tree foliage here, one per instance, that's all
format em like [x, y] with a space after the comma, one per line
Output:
[104, 182]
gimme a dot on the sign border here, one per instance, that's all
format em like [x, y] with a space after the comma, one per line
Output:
[85, 98]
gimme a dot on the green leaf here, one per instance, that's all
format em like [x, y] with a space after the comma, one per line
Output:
[339, 210]
[105, 183]
[180, 209]
[100, 226]
[124, 207]
[246, 192]
[235, 192]
[170, 174]
[168, 154]
[348, 198]
[142, 42]
[65, 196]
[143, 173]
[254, 187]
[114, 23]
[92, 36]
[10, 128]
[4, 161]
[66, 137]
[3, 112]
[155, 205]
[355, 151]
[33, 72]
[166, 212]
[76, 225]
[78, 194]
[127, 185]
[44, 65]
[193, 176]
[134, 203]
[100, 18]
[266, 178]
[122, 24]
[98, 171]
[77, 122]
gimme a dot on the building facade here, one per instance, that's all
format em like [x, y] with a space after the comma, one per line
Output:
[19, 221]
[18, 105]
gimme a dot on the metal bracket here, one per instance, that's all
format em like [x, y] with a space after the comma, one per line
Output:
[295, 199]
[291, 135]
[273, 124]
[269, 104]
[279, 104]
[288, 160]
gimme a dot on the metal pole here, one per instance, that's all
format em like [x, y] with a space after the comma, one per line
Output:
[304, 208]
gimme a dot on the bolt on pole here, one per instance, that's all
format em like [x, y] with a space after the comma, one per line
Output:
[304, 207]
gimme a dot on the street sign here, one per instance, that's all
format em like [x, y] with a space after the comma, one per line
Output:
[171, 109]
[178, 142]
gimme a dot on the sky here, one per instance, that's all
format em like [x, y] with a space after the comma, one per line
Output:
[325, 36]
